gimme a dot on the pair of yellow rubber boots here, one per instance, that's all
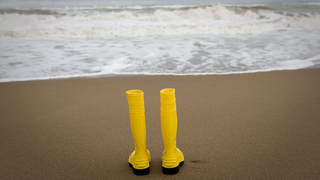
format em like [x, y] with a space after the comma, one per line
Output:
[172, 157]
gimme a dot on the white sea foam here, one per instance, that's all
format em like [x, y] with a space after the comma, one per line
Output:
[177, 55]
[84, 30]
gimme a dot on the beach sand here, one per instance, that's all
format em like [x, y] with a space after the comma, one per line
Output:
[246, 126]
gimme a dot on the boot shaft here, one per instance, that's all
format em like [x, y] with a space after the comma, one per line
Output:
[169, 122]
[137, 118]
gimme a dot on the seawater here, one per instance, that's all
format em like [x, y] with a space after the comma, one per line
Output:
[61, 42]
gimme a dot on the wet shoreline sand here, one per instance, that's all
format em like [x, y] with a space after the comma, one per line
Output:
[244, 126]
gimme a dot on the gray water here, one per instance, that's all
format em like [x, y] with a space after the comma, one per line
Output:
[54, 41]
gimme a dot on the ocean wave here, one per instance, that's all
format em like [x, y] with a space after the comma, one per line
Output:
[216, 12]
[163, 29]
[40, 18]
[149, 14]
[206, 19]
[314, 3]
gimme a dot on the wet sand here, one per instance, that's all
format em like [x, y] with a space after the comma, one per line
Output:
[246, 126]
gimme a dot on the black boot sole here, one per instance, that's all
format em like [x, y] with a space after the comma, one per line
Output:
[140, 172]
[171, 171]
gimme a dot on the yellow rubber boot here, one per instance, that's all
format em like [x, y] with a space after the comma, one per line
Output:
[140, 158]
[172, 157]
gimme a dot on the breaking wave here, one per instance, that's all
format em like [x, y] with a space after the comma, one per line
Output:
[107, 21]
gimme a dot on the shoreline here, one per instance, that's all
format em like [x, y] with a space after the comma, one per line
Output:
[241, 126]
[315, 66]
